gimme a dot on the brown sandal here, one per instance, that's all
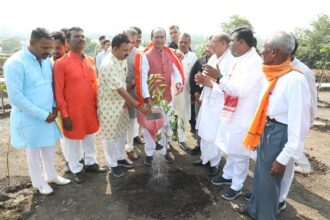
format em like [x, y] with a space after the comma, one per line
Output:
[240, 208]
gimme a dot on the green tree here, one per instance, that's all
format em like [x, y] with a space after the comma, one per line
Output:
[235, 22]
[10, 45]
[90, 46]
[311, 42]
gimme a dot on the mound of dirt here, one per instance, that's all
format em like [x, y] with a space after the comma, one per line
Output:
[15, 200]
[184, 195]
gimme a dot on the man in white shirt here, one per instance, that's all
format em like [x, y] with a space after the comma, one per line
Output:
[159, 59]
[100, 56]
[241, 87]
[281, 123]
[208, 119]
[182, 102]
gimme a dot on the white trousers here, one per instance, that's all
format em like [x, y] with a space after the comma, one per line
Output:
[166, 136]
[181, 131]
[210, 153]
[41, 164]
[65, 150]
[236, 169]
[132, 132]
[287, 180]
[114, 150]
[87, 145]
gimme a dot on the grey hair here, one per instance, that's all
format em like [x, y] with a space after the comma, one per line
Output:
[185, 34]
[282, 41]
[222, 37]
[130, 32]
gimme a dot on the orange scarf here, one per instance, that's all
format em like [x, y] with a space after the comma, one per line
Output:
[138, 72]
[273, 73]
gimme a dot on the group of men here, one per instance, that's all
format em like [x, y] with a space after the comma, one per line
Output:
[243, 103]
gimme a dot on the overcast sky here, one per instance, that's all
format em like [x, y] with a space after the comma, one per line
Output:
[193, 16]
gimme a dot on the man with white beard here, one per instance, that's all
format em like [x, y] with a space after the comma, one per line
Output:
[182, 102]
[208, 119]
[241, 88]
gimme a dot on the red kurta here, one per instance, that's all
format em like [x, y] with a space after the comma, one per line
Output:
[76, 94]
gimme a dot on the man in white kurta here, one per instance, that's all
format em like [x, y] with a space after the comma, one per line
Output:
[208, 119]
[159, 54]
[245, 83]
[182, 102]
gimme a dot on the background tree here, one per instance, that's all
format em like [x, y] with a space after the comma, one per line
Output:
[90, 46]
[10, 45]
[235, 22]
[314, 41]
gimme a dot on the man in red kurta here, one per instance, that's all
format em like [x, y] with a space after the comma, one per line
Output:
[76, 95]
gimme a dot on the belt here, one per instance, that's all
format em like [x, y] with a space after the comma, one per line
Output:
[272, 120]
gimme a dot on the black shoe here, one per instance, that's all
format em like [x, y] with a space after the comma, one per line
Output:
[79, 177]
[184, 146]
[169, 157]
[247, 196]
[213, 171]
[231, 194]
[158, 146]
[94, 168]
[67, 168]
[117, 171]
[148, 161]
[198, 163]
[219, 181]
[281, 206]
[138, 140]
[196, 150]
[82, 161]
[125, 163]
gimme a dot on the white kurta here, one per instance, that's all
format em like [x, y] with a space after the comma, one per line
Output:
[182, 102]
[310, 77]
[208, 119]
[245, 83]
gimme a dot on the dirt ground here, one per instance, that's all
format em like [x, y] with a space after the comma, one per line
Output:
[188, 195]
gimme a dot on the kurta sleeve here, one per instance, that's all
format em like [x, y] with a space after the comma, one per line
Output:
[59, 89]
[176, 74]
[145, 72]
[14, 75]
[299, 101]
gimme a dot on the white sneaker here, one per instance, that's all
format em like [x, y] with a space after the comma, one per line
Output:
[45, 190]
[60, 181]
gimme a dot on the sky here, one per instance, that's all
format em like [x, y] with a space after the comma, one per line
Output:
[202, 17]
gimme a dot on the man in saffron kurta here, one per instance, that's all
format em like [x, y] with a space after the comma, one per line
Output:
[76, 95]
[28, 75]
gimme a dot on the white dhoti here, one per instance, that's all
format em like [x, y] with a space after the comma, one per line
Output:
[114, 150]
[41, 164]
[87, 145]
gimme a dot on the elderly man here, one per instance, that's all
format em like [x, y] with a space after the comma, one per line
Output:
[76, 94]
[157, 58]
[280, 124]
[174, 35]
[182, 102]
[209, 119]
[28, 75]
[139, 38]
[112, 97]
[242, 88]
